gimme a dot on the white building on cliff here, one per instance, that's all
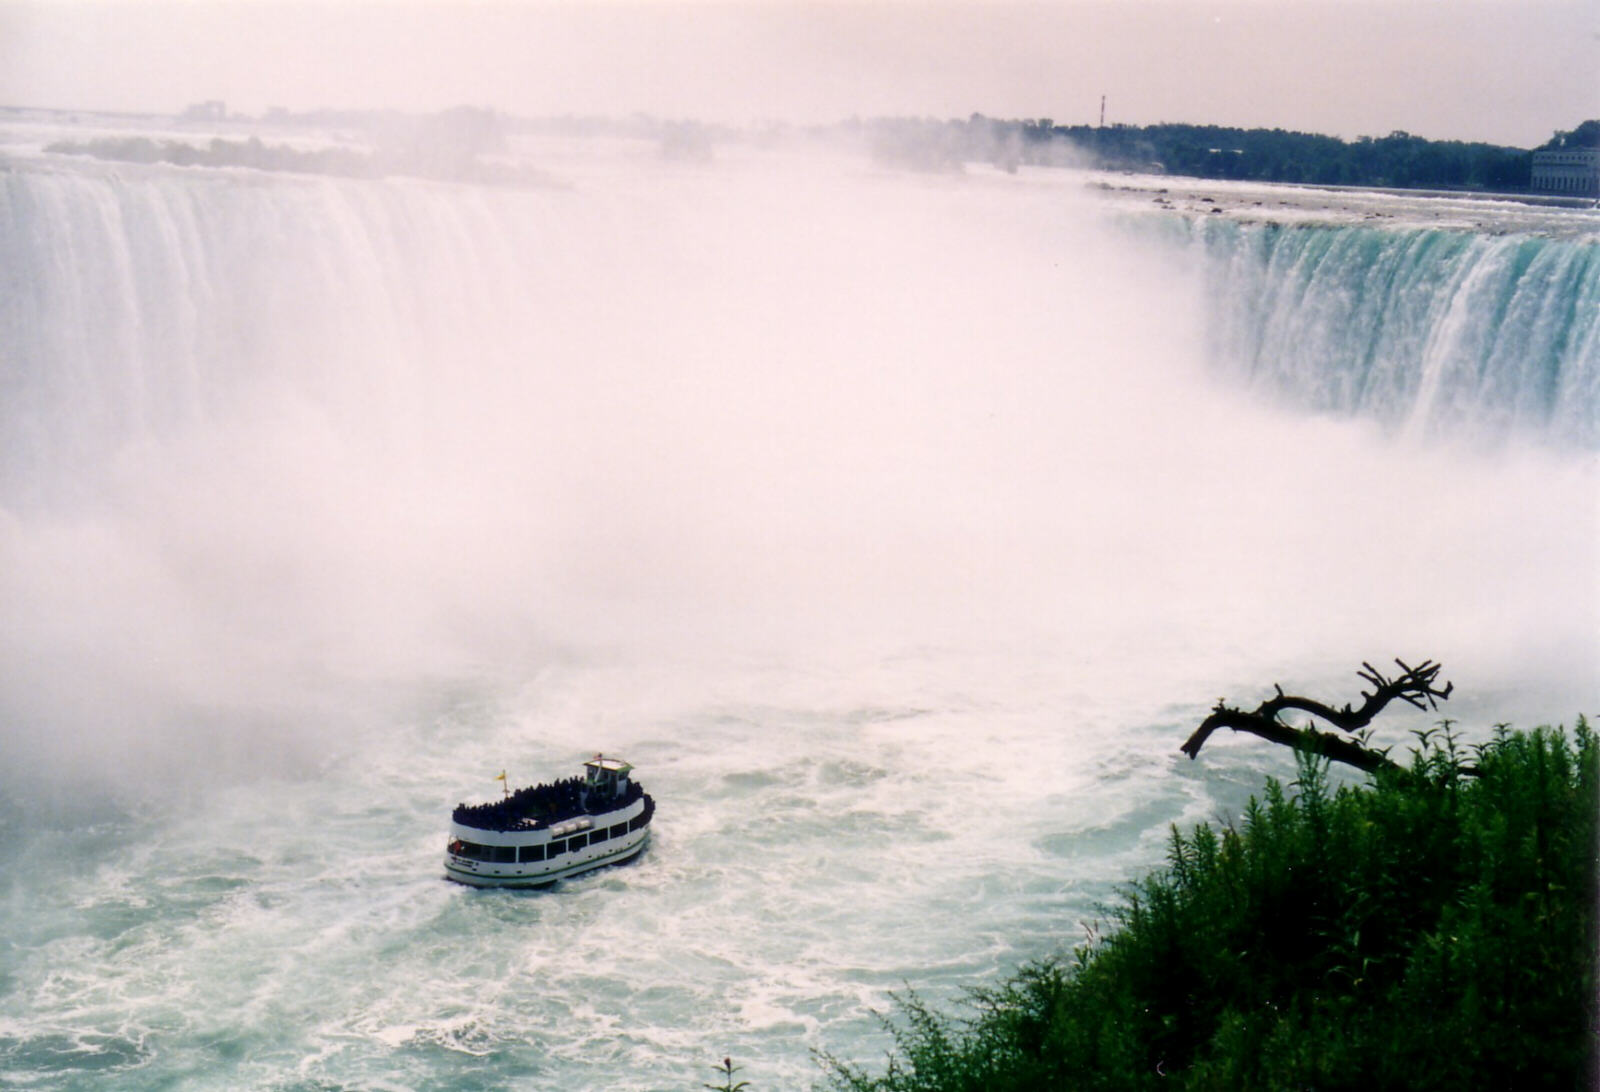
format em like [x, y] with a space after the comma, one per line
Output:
[1574, 171]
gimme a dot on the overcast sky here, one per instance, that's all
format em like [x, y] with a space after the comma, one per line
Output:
[1507, 71]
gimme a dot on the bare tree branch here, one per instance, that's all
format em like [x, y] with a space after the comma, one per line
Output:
[1414, 685]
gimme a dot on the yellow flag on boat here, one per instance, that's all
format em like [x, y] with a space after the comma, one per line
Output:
[501, 776]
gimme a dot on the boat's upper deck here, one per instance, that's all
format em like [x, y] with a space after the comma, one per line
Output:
[606, 788]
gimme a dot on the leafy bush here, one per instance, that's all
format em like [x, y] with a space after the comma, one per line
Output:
[1434, 929]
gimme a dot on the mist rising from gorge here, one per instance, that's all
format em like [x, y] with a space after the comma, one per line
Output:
[302, 447]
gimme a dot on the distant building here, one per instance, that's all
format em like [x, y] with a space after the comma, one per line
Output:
[210, 110]
[1573, 171]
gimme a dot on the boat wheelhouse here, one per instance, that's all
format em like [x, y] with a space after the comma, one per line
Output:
[544, 833]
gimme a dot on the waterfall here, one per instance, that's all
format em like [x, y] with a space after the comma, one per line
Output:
[1430, 331]
[137, 305]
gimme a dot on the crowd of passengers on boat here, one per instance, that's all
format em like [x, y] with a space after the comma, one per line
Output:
[539, 806]
[555, 847]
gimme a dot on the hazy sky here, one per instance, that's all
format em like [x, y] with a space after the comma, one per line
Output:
[1509, 71]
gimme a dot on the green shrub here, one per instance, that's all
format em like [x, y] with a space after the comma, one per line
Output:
[1433, 929]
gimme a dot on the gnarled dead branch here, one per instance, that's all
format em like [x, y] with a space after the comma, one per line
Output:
[1415, 685]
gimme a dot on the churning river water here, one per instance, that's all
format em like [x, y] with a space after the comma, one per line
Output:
[896, 527]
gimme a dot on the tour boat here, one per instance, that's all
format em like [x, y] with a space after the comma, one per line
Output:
[544, 833]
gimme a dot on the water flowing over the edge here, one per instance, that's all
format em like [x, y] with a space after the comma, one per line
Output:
[126, 308]
[1430, 331]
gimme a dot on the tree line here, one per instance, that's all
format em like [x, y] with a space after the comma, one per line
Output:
[1399, 160]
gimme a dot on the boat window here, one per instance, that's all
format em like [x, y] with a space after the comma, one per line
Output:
[559, 845]
[472, 851]
[638, 821]
[599, 836]
[577, 841]
[503, 854]
[532, 853]
[619, 830]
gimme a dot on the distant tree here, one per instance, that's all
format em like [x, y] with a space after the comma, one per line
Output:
[1399, 159]
[1586, 135]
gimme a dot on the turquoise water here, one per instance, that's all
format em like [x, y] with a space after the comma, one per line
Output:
[1438, 331]
[897, 529]
[812, 853]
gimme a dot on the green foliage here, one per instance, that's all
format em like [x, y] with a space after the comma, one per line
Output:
[222, 153]
[1434, 929]
[1275, 155]
[726, 1071]
[1399, 159]
[1586, 135]
[444, 146]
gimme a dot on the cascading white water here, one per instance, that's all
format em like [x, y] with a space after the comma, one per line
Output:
[1443, 332]
[896, 528]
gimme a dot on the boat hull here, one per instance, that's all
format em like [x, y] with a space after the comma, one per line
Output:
[527, 877]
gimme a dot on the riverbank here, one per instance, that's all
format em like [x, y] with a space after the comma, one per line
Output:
[1432, 930]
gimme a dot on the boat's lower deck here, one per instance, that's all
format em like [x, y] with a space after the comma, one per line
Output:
[474, 874]
[537, 858]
